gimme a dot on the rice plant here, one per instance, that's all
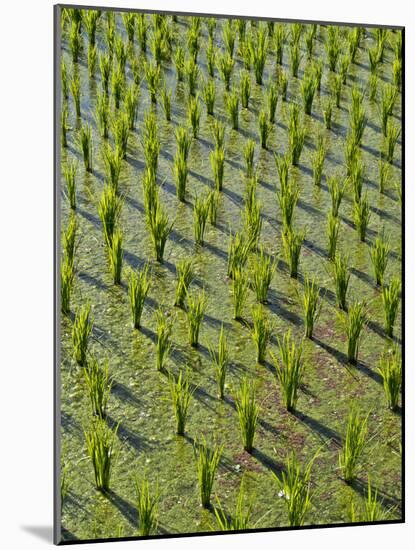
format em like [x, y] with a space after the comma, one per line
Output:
[295, 59]
[356, 177]
[225, 64]
[211, 52]
[392, 136]
[75, 41]
[336, 89]
[67, 279]
[354, 443]
[112, 164]
[191, 71]
[214, 201]
[317, 160]
[163, 343]
[100, 443]
[328, 113]
[98, 384]
[361, 216]
[354, 321]
[209, 95]
[264, 128]
[120, 52]
[142, 28]
[109, 209]
[115, 256]
[220, 361]
[238, 250]
[152, 75]
[333, 226]
[138, 287]
[181, 395]
[280, 38]
[390, 369]
[397, 74]
[390, 301]
[294, 486]
[245, 88]
[102, 114]
[69, 239]
[200, 215]
[296, 135]
[183, 141]
[90, 20]
[248, 413]
[64, 80]
[195, 310]
[379, 254]
[308, 89]
[354, 43]
[92, 61]
[217, 162]
[289, 369]
[317, 70]
[282, 163]
[85, 145]
[131, 98]
[283, 85]
[129, 20]
[311, 304]
[193, 115]
[261, 332]
[239, 520]
[341, 278]
[249, 153]
[352, 155]
[262, 271]
[384, 175]
[232, 106]
[64, 125]
[344, 65]
[105, 68]
[229, 36]
[160, 229]
[357, 123]
[75, 86]
[147, 507]
[336, 190]
[117, 86]
[184, 275]
[272, 100]
[179, 60]
[69, 171]
[207, 462]
[292, 242]
[372, 510]
[333, 47]
[258, 48]
[81, 331]
[240, 287]
[388, 97]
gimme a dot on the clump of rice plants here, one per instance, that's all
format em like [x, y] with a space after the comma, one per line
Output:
[147, 507]
[184, 275]
[308, 89]
[391, 139]
[261, 332]
[361, 216]
[220, 361]
[336, 190]
[295, 485]
[129, 20]
[163, 343]
[207, 462]
[237, 521]
[245, 88]
[90, 20]
[152, 75]
[333, 47]
[384, 175]
[209, 96]
[81, 331]
[191, 71]
[240, 287]
[85, 144]
[115, 256]
[353, 322]
[181, 395]
[258, 49]
[292, 242]
[296, 135]
[105, 68]
[344, 65]
[336, 89]
[333, 226]
[238, 250]
[117, 86]
[69, 240]
[69, 172]
[100, 443]
[390, 369]
[295, 58]
[288, 198]
[283, 85]
[317, 68]
[311, 304]
[195, 311]
[262, 271]
[102, 114]
[272, 100]
[289, 369]
[211, 52]
[131, 98]
[142, 28]
[373, 86]
[98, 384]
[248, 412]
[229, 36]
[372, 510]
[328, 113]
[225, 65]
[397, 74]
[354, 443]
[357, 122]
[109, 209]
[112, 164]
[64, 80]
[264, 128]
[214, 201]
[356, 177]
[217, 162]
[180, 170]
[75, 41]
[200, 215]
[179, 60]
[151, 141]
[379, 254]
[249, 153]
[280, 37]
[232, 106]
[67, 279]
[138, 287]
[160, 229]
[341, 277]
[354, 42]
[75, 86]
[193, 115]
[317, 160]
[390, 301]
[388, 98]
[282, 163]
[64, 125]
[218, 133]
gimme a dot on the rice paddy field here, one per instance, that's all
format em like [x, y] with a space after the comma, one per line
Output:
[231, 268]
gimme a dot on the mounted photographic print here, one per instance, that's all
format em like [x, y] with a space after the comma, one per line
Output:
[229, 274]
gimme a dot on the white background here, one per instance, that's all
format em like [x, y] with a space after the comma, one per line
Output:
[26, 272]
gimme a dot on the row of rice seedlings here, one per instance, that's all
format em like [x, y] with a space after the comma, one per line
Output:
[181, 395]
[195, 311]
[390, 369]
[354, 321]
[101, 447]
[294, 485]
[81, 331]
[390, 301]
[209, 96]
[379, 254]
[311, 304]
[238, 251]
[239, 520]
[262, 272]
[109, 210]
[200, 215]
[289, 369]
[296, 135]
[207, 462]
[333, 227]
[98, 384]
[261, 332]
[240, 287]
[248, 413]
[138, 287]
[361, 216]
[184, 275]
[220, 361]
[317, 160]
[354, 443]
[292, 241]
[147, 507]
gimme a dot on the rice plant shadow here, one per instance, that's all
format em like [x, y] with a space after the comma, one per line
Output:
[91, 280]
[326, 434]
[270, 463]
[123, 393]
[386, 500]
[126, 508]
[127, 436]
